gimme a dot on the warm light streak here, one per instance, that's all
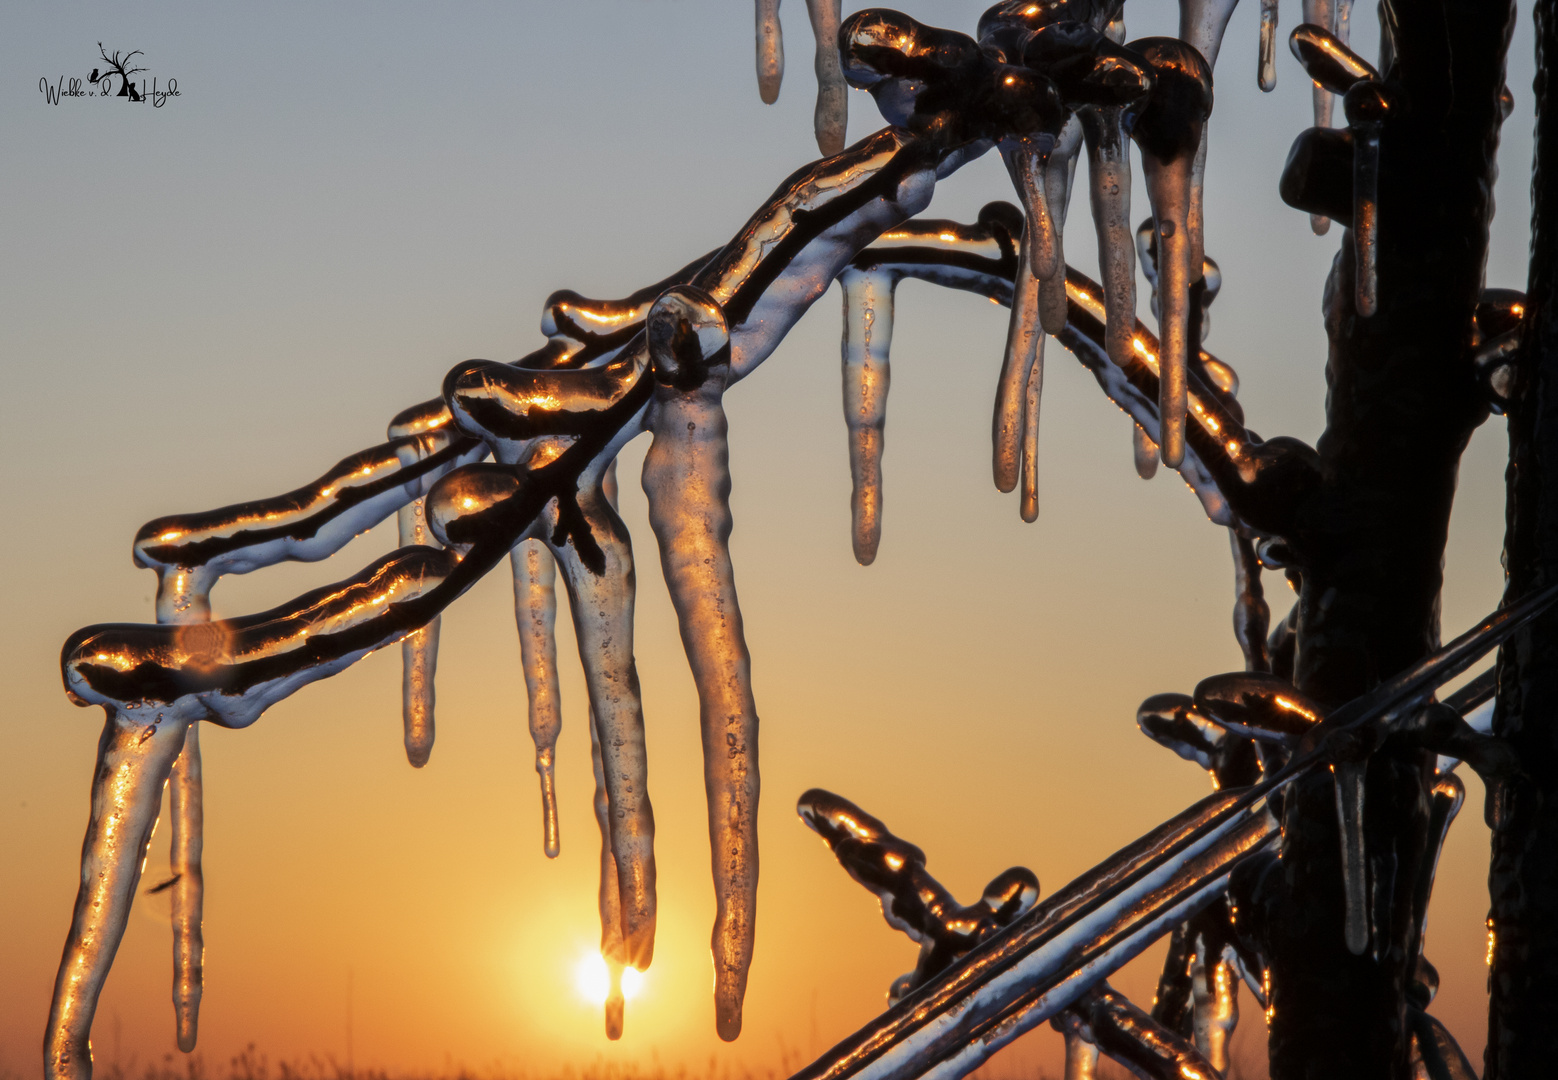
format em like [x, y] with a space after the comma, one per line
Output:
[171, 534]
[1492, 943]
[895, 862]
[1293, 706]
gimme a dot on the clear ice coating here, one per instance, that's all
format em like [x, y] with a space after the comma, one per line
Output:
[912, 900]
[687, 480]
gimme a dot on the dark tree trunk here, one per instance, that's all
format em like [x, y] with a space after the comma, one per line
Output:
[1401, 406]
[1523, 878]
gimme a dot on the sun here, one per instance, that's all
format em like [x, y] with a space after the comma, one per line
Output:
[592, 978]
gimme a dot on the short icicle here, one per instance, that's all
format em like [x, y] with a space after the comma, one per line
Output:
[134, 761]
[1349, 776]
[535, 614]
[418, 651]
[1215, 1006]
[1145, 452]
[867, 342]
[1266, 74]
[611, 946]
[770, 51]
[186, 808]
[832, 115]
[687, 480]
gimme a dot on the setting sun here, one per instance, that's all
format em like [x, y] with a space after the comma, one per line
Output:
[592, 978]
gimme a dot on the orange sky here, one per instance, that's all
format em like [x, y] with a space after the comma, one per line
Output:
[219, 299]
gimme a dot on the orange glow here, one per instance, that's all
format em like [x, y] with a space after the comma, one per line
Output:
[592, 979]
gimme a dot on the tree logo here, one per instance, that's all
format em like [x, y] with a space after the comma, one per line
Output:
[117, 71]
[118, 67]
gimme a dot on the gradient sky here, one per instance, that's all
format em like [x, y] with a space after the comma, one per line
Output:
[218, 299]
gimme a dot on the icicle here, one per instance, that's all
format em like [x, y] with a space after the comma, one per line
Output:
[611, 946]
[1109, 175]
[1215, 1008]
[1145, 452]
[1320, 13]
[1366, 105]
[1032, 395]
[1341, 21]
[185, 806]
[183, 599]
[1267, 69]
[832, 113]
[1202, 23]
[418, 652]
[134, 760]
[535, 614]
[1081, 1051]
[770, 51]
[1059, 169]
[1349, 776]
[687, 480]
[1025, 162]
[1251, 615]
[1169, 133]
[868, 337]
[602, 607]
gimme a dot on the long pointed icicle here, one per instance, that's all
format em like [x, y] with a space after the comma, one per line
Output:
[1266, 74]
[832, 115]
[134, 761]
[1109, 190]
[867, 369]
[1349, 812]
[535, 614]
[418, 651]
[183, 599]
[1024, 335]
[602, 607]
[185, 806]
[687, 480]
[610, 897]
[770, 51]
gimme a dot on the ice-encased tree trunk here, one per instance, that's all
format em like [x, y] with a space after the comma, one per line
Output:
[1523, 878]
[1401, 406]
